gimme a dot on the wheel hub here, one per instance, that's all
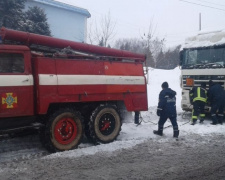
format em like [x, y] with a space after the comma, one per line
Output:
[107, 124]
[65, 130]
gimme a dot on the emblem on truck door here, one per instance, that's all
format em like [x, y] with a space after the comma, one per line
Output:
[9, 100]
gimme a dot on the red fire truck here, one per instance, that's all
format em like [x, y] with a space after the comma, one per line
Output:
[67, 88]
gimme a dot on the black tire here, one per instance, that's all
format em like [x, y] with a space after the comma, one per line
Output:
[105, 124]
[63, 131]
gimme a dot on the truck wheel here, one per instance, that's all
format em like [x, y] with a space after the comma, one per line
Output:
[63, 131]
[105, 124]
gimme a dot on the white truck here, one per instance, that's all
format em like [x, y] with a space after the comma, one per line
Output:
[202, 58]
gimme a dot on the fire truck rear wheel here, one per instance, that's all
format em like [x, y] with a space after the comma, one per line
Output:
[63, 131]
[105, 124]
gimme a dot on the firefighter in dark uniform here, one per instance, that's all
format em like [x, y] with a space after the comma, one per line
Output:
[167, 109]
[216, 97]
[198, 97]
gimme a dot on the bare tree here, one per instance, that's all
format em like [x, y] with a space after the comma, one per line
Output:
[149, 44]
[102, 32]
[130, 44]
[153, 45]
[90, 34]
[168, 59]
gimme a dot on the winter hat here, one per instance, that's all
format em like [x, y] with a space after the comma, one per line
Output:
[203, 85]
[210, 82]
[165, 85]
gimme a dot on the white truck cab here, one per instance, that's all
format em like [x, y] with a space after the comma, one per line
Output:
[202, 58]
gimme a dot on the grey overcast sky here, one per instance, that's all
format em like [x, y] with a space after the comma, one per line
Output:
[174, 19]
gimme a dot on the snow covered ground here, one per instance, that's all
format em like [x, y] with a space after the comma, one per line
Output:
[13, 156]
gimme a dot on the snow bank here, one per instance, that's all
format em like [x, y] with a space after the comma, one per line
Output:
[156, 78]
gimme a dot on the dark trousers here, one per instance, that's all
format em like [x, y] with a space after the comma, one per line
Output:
[217, 106]
[198, 109]
[163, 119]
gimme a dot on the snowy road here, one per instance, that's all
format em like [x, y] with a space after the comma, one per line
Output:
[137, 154]
[192, 157]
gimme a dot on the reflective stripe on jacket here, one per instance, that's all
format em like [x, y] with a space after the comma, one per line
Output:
[167, 103]
[198, 94]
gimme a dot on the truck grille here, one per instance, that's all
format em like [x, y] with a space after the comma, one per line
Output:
[198, 79]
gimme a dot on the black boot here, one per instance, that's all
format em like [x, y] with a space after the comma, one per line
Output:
[214, 120]
[220, 122]
[201, 120]
[159, 132]
[220, 119]
[176, 133]
[193, 121]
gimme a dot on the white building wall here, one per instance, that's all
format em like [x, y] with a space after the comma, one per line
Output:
[64, 23]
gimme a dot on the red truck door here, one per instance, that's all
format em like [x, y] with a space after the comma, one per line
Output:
[16, 84]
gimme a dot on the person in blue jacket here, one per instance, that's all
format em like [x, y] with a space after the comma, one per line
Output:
[216, 97]
[167, 109]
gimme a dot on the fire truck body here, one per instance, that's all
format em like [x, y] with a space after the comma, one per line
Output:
[87, 81]
[59, 91]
